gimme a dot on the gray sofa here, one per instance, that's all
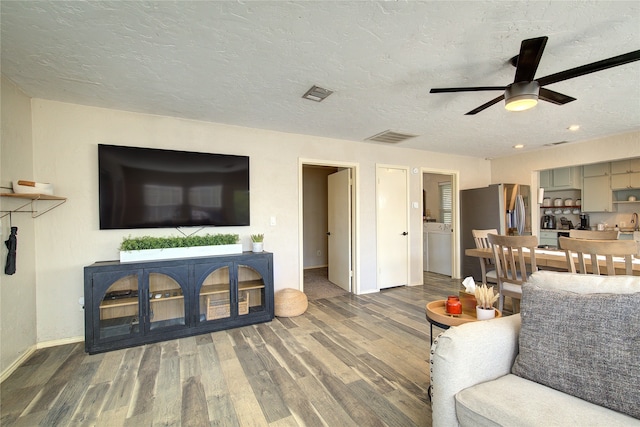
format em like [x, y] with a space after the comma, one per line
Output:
[570, 358]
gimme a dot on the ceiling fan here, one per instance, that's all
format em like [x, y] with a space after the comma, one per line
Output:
[525, 91]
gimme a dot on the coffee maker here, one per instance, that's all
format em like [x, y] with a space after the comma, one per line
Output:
[584, 221]
[548, 222]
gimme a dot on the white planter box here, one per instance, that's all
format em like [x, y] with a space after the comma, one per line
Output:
[172, 253]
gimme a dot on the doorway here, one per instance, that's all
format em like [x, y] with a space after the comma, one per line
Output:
[327, 247]
[439, 211]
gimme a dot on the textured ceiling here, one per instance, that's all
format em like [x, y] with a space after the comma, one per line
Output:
[249, 63]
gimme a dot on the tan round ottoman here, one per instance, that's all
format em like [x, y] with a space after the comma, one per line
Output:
[290, 303]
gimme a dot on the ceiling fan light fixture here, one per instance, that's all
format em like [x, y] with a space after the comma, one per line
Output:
[521, 96]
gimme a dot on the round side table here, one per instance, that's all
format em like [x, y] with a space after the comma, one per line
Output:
[438, 316]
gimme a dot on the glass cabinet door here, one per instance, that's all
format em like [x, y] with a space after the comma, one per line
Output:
[118, 313]
[215, 295]
[166, 301]
[251, 297]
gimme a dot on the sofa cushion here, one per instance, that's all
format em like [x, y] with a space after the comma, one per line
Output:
[580, 335]
[514, 401]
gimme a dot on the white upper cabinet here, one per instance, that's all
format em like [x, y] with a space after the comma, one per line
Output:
[560, 179]
[625, 174]
[625, 166]
[598, 169]
[596, 194]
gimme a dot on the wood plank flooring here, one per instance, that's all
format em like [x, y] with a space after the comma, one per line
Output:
[348, 361]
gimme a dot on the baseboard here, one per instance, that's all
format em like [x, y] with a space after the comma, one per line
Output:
[53, 343]
[23, 358]
[316, 266]
[16, 364]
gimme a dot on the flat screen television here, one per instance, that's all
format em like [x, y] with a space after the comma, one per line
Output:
[153, 188]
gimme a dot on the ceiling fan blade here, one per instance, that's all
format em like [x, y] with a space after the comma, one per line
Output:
[590, 68]
[467, 89]
[485, 106]
[554, 97]
[529, 58]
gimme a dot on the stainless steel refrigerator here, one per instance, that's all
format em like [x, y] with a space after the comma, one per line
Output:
[505, 207]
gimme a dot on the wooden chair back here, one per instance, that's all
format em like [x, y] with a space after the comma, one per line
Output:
[486, 264]
[515, 258]
[594, 235]
[591, 249]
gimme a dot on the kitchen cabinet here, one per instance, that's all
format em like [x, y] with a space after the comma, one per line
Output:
[544, 179]
[596, 194]
[625, 180]
[625, 174]
[560, 179]
[625, 166]
[129, 304]
[597, 169]
[548, 238]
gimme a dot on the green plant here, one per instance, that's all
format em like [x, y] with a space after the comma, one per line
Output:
[148, 242]
[257, 238]
[485, 296]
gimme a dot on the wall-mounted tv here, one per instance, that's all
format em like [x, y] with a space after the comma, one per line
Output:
[152, 188]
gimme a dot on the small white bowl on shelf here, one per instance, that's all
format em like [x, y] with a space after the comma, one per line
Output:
[31, 187]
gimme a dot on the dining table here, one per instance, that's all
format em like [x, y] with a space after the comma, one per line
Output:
[556, 259]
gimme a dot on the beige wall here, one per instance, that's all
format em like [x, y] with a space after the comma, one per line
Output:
[65, 153]
[17, 292]
[518, 168]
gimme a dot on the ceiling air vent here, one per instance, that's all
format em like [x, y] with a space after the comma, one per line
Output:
[553, 144]
[317, 93]
[390, 137]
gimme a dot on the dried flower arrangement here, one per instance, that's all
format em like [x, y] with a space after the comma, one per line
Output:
[485, 296]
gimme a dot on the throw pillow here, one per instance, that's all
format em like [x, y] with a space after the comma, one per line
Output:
[584, 344]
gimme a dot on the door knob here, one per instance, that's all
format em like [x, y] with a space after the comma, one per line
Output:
[404, 233]
[328, 233]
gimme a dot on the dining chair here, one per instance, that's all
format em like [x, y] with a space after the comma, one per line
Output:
[591, 249]
[512, 267]
[487, 265]
[594, 235]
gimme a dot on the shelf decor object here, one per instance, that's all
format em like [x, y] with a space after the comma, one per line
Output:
[176, 253]
[146, 248]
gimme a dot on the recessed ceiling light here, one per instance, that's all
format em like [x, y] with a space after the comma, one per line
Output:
[317, 93]
[518, 146]
[574, 128]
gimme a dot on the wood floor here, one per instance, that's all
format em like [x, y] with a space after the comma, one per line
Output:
[348, 361]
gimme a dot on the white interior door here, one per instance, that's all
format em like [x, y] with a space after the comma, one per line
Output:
[339, 223]
[392, 209]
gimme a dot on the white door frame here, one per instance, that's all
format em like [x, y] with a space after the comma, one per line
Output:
[355, 212]
[455, 222]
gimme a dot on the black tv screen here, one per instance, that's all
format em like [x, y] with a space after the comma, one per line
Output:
[152, 188]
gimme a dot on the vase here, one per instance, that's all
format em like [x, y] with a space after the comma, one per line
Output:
[258, 246]
[484, 313]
